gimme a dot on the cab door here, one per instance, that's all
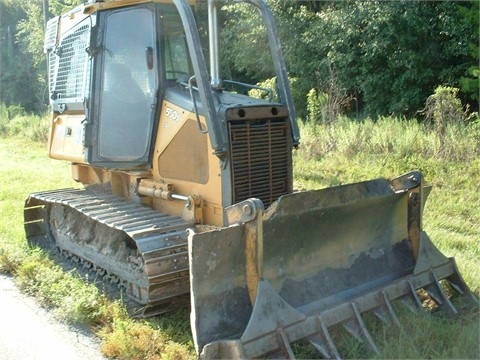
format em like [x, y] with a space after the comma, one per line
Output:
[125, 89]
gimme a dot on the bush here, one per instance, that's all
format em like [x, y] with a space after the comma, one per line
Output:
[15, 122]
[15, 110]
[297, 95]
[443, 107]
[328, 101]
[318, 108]
[3, 112]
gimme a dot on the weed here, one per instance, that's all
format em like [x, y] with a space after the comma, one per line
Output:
[137, 340]
[11, 257]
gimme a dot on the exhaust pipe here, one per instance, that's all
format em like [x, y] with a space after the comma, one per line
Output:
[216, 82]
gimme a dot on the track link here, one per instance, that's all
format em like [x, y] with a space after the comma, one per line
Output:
[140, 249]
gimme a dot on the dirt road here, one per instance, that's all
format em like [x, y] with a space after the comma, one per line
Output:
[29, 332]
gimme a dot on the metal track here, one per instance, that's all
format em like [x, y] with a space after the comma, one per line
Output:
[145, 251]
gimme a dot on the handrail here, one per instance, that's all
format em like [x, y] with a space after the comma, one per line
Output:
[195, 108]
[207, 96]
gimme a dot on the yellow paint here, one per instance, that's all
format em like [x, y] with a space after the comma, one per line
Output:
[174, 123]
[66, 138]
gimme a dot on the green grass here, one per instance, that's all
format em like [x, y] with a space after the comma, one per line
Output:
[343, 152]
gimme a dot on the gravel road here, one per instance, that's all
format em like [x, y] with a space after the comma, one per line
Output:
[29, 332]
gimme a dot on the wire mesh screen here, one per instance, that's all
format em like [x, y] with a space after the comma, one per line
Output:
[51, 33]
[49, 47]
[52, 64]
[69, 70]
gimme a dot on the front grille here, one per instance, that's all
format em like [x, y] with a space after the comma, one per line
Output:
[261, 159]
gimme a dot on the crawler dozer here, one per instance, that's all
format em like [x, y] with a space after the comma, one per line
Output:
[188, 189]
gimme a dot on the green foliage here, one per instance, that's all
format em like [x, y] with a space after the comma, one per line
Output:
[444, 107]
[317, 106]
[327, 106]
[241, 36]
[30, 33]
[469, 83]
[389, 56]
[18, 78]
[270, 84]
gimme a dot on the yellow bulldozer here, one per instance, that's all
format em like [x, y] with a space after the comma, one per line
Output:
[188, 191]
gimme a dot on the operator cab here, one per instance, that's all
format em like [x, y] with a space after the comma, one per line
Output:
[114, 66]
[142, 49]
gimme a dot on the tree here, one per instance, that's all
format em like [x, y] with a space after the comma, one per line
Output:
[469, 83]
[23, 76]
[393, 53]
[242, 35]
[389, 55]
[17, 72]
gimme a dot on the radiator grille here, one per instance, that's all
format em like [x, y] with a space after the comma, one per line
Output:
[261, 160]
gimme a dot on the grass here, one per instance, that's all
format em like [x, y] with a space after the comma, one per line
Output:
[334, 154]
[25, 168]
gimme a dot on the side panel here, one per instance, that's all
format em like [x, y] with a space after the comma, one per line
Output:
[69, 68]
[66, 138]
[183, 161]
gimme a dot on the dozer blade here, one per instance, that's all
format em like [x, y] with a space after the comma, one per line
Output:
[311, 261]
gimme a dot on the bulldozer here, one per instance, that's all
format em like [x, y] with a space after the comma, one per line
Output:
[187, 191]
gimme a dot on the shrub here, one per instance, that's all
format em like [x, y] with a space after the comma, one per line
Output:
[3, 119]
[259, 93]
[3, 111]
[443, 107]
[15, 110]
[25, 126]
[328, 101]
[318, 107]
